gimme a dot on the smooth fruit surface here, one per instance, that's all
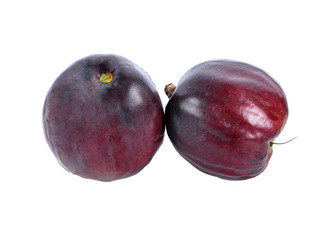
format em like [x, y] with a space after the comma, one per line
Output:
[103, 118]
[223, 117]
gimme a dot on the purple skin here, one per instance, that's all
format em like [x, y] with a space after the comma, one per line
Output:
[103, 131]
[224, 116]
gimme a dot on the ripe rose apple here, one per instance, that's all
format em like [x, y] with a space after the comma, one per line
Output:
[103, 118]
[223, 117]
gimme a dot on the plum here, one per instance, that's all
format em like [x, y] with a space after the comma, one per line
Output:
[103, 118]
[223, 117]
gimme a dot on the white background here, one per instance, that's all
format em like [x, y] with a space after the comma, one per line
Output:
[169, 199]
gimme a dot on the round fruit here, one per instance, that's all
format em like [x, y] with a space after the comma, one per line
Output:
[103, 118]
[223, 117]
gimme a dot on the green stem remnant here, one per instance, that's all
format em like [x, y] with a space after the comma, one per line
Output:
[106, 78]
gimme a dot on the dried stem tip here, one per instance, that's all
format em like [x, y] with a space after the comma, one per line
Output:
[169, 89]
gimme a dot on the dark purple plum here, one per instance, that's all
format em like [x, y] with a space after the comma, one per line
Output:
[223, 117]
[103, 118]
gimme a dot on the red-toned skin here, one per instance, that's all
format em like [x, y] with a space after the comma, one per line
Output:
[103, 131]
[223, 117]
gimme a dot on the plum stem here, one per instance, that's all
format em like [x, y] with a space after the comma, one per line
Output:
[169, 89]
[273, 143]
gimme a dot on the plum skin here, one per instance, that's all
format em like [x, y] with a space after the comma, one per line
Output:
[103, 131]
[223, 117]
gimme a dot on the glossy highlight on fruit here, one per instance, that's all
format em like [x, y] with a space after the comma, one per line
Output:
[223, 117]
[103, 118]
